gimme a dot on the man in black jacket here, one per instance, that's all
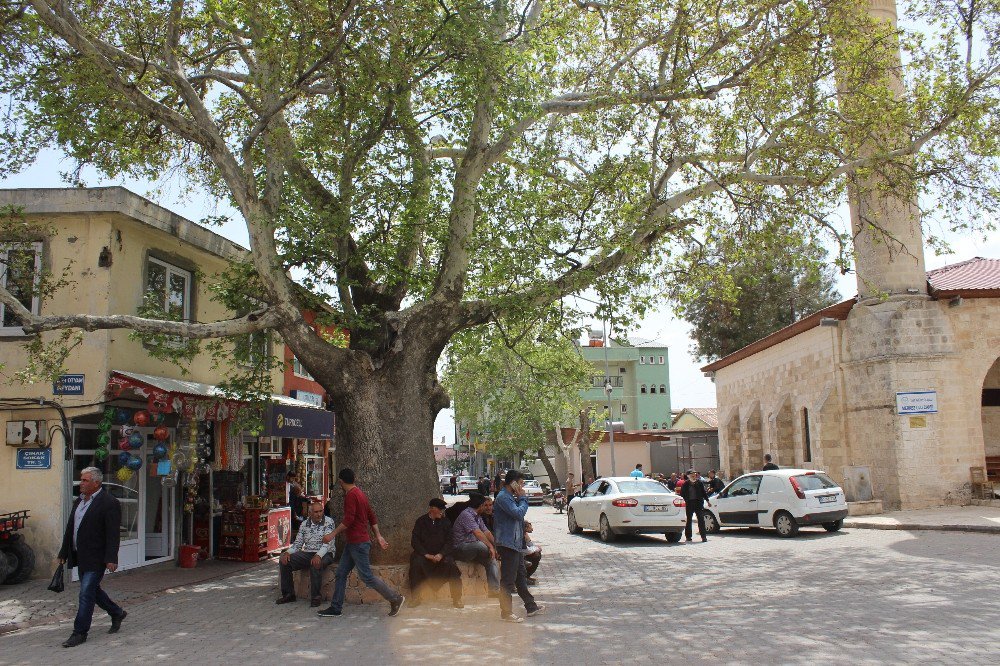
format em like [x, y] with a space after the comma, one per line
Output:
[432, 556]
[90, 543]
[696, 498]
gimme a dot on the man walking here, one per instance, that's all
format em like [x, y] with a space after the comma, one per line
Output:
[358, 518]
[432, 553]
[696, 498]
[473, 542]
[637, 472]
[308, 551]
[768, 465]
[90, 543]
[508, 516]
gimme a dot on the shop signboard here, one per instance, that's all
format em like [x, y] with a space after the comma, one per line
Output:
[916, 402]
[34, 459]
[298, 422]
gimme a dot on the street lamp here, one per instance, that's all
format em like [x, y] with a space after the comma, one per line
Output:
[608, 388]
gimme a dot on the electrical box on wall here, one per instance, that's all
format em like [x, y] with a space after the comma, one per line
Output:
[26, 433]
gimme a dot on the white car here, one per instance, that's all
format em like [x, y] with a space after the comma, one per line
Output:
[467, 483]
[623, 505]
[785, 499]
[533, 492]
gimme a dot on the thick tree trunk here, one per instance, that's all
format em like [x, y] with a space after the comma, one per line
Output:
[554, 481]
[586, 466]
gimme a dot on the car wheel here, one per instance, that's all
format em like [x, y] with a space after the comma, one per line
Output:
[25, 558]
[673, 537]
[607, 534]
[785, 524]
[834, 526]
[712, 525]
[574, 528]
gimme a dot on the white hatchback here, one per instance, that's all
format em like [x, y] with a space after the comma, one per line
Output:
[784, 499]
[623, 505]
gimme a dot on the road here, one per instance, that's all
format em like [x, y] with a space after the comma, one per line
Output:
[858, 596]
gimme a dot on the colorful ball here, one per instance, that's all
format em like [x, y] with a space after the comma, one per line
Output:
[100, 454]
[161, 433]
[123, 458]
[160, 451]
[124, 474]
[123, 445]
[135, 439]
[134, 463]
[141, 418]
[121, 416]
[103, 439]
[159, 418]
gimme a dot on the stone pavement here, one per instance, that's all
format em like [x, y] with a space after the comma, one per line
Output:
[30, 604]
[983, 519]
[857, 596]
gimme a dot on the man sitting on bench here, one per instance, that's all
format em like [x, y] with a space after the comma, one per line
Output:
[432, 554]
[308, 552]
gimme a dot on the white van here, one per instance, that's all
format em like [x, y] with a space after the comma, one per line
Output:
[785, 499]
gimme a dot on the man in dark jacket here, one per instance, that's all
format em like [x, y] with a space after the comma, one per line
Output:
[90, 543]
[432, 557]
[695, 496]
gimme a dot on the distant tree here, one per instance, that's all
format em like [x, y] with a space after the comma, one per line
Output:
[731, 303]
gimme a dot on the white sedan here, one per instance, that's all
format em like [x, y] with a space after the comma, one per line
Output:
[624, 505]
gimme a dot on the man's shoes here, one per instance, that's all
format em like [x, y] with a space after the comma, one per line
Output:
[493, 594]
[538, 611]
[75, 639]
[116, 622]
[457, 603]
[285, 599]
[688, 539]
[315, 602]
[704, 539]
[329, 612]
[395, 606]
[532, 580]
[516, 619]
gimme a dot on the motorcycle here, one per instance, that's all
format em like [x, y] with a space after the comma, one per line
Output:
[559, 499]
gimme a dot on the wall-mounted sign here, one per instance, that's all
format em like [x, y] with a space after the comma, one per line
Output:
[34, 459]
[26, 433]
[68, 385]
[916, 402]
[300, 422]
[306, 396]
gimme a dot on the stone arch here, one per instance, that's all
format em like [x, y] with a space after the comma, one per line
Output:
[991, 410]
[783, 430]
[732, 460]
[753, 437]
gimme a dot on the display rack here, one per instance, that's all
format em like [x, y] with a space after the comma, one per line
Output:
[244, 535]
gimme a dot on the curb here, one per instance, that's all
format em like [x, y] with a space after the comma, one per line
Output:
[977, 529]
[138, 599]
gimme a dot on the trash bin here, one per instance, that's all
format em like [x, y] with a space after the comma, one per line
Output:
[189, 556]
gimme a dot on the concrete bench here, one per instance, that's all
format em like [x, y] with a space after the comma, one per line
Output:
[398, 577]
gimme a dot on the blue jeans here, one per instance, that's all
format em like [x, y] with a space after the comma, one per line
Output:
[90, 594]
[358, 555]
[479, 552]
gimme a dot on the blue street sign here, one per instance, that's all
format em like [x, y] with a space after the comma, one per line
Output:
[34, 459]
[68, 385]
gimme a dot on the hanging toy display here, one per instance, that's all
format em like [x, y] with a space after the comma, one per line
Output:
[141, 418]
[158, 418]
[160, 451]
[104, 434]
[123, 458]
[135, 440]
[124, 474]
[122, 416]
[134, 463]
[161, 434]
[124, 445]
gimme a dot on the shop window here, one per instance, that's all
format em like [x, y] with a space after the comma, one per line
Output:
[168, 288]
[20, 270]
[299, 370]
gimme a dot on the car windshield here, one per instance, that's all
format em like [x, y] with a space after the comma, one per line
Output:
[814, 482]
[641, 486]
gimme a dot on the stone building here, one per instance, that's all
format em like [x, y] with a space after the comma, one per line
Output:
[893, 392]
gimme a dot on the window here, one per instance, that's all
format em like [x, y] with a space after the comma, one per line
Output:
[652, 360]
[621, 371]
[16, 260]
[661, 360]
[599, 381]
[645, 426]
[807, 442]
[169, 288]
[624, 409]
[663, 388]
[818, 481]
[298, 370]
[746, 485]
[642, 389]
[656, 426]
[642, 360]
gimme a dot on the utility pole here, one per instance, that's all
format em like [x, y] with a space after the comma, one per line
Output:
[607, 389]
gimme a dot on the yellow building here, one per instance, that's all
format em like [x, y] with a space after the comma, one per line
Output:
[115, 249]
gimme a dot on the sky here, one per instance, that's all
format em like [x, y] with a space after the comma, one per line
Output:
[688, 386]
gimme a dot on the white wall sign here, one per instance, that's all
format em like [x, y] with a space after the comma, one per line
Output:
[916, 402]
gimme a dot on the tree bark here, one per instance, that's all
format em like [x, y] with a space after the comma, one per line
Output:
[554, 481]
[586, 466]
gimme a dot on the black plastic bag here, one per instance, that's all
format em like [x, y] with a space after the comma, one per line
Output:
[57, 584]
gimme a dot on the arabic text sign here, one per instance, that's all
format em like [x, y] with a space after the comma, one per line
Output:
[916, 402]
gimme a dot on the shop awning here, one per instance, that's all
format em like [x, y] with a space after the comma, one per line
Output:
[189, 399]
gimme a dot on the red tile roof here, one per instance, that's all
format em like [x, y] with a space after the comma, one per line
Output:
[975, 275]
[707, 415]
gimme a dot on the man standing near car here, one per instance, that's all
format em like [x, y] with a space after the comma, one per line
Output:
[508, 516]
[715, 484]
[90, 543]
[637, 472]
[696, 498]
[768, 465]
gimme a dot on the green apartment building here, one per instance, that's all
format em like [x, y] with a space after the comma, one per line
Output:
[640, 386]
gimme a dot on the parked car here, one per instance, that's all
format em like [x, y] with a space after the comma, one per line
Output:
[444, 480]
[623, 505]
[533, 491]
[785, 499]
[467, 483]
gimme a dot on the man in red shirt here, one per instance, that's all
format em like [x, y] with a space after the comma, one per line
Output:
[358, 516]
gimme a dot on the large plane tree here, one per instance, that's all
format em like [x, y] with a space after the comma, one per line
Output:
[434, 165]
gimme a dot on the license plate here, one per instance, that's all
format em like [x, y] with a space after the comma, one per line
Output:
[655, 507]
[826, 499]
